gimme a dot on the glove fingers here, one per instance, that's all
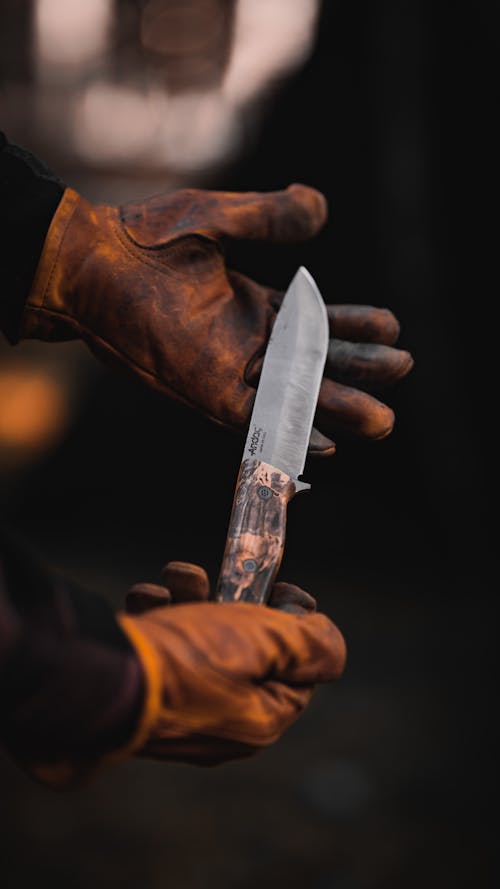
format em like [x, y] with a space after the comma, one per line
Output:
[262, 644]
[284, 702]
[294, 214]
[291, 598]
[363, 324]
[320, 445]
[266, 711]
[260, 716]
[313, 650]
[247, 644]
[341, 406]
[369, 365]
[342, 409]
[144, 596]
[186, 582]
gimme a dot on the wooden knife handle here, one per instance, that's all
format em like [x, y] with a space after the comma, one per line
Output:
[256, 535]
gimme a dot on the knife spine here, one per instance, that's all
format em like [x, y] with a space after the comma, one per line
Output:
[256, 535]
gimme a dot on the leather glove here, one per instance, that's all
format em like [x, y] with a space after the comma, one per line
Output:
[224, 680]
[147, 288]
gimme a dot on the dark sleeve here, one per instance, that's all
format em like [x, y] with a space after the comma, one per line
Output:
[29, 196]
[71, 686]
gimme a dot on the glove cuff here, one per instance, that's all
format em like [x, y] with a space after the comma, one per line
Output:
[45, 303]
[152, 670]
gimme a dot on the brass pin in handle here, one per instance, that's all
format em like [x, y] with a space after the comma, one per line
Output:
[256, 535]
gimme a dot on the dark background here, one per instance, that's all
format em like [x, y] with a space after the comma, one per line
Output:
[389, 779]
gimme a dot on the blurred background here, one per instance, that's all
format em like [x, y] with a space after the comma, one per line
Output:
[389, 778]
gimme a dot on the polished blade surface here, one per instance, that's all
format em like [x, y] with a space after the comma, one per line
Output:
[285, 404]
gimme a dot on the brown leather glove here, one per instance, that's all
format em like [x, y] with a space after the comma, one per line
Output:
[147, 288]
[224, 680]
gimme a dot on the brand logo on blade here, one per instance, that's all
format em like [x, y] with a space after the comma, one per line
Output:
[255, 439]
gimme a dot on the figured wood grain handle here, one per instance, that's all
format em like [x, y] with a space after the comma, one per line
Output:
[256, 535]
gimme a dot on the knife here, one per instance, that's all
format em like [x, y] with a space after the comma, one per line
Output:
[276, 445]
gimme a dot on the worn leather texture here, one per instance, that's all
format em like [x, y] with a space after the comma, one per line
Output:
[232, 678]
[146, 286]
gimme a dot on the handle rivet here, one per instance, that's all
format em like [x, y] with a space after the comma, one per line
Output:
[249, 565]
[264, 492]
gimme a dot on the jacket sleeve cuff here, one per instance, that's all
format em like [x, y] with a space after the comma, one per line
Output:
[73, 689]
[71, 772]
[29, 196]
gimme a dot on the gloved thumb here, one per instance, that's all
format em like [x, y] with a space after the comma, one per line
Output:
[293, 214]
[291, 598]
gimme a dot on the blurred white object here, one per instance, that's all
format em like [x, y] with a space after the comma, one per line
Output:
[70, 33]
[270, 40]
[137, 120]
[187, 131]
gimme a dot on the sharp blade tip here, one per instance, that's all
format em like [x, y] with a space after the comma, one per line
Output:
[303, 271]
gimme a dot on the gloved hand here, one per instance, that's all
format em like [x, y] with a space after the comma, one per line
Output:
[146, 286]
[224, 680]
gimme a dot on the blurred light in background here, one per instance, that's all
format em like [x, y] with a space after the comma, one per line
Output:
[33, 412]
[162, 84]
[270, 40]
[41, 391]
[193, 37]
[69, 33]
[190, 131]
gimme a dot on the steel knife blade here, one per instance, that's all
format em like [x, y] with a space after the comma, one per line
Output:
[276, 445]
